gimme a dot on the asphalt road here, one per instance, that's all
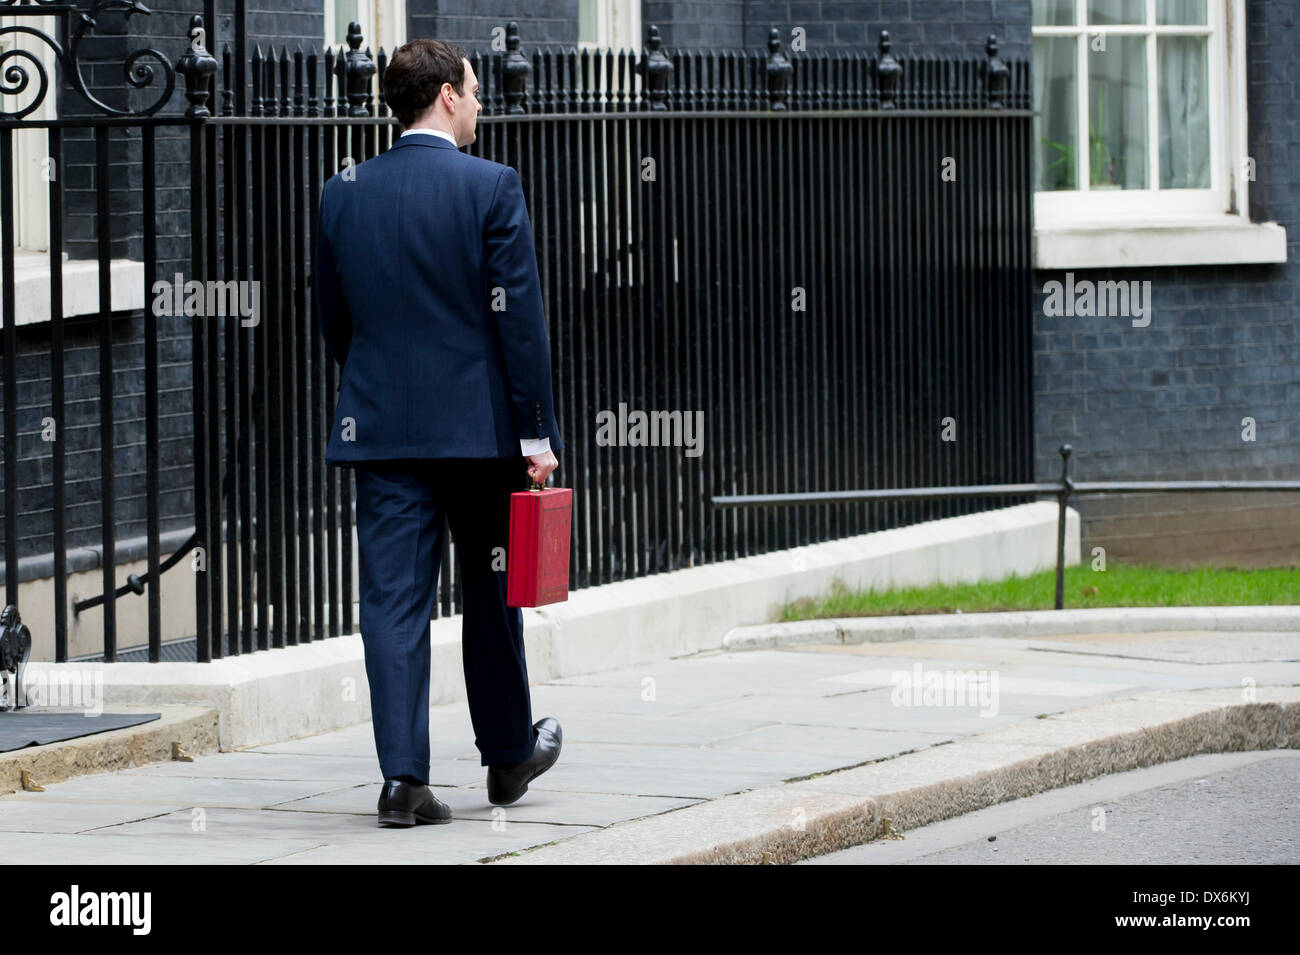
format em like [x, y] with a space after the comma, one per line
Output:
[1221, 809]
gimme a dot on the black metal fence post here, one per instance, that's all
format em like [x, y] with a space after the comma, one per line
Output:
[1063, 502]
[514, 71]
[197, 66]
[777, 69]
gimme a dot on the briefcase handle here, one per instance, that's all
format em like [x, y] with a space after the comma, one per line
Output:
[533, 485]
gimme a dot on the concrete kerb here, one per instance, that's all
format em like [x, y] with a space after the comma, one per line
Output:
[275, 695]
[800, 819]
[1031, 623]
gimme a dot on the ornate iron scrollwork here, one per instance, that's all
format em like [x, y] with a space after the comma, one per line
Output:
[137, 72]
[14, 78]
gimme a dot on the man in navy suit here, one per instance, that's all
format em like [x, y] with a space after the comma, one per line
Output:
[427, 294]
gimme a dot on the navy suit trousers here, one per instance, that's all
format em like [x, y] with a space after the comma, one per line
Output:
[403, 510]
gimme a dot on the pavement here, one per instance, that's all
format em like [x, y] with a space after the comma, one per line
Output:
[770, 755]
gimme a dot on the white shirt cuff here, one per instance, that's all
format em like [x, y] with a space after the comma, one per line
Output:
[531, 446]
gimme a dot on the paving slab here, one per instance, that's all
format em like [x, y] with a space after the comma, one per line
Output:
[625, 728]
[462, 842]
[560, 808]
[35, 815]
[169, 792]
[328, 769]
[873, 709]
[45, 848]
[1180, 646]
[843, 746]
[681, 771]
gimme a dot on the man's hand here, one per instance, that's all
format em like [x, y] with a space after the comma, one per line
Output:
[541, 465]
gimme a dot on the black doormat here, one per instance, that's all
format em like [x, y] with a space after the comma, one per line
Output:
[21, 728]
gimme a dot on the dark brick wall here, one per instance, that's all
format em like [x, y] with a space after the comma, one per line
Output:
[714, 23]
[1167, 401]
[81, 435]
[918, 27]
[469, 23]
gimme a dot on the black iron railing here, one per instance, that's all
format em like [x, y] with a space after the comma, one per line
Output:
[822, 256]
[147, 82]
[1062, 489]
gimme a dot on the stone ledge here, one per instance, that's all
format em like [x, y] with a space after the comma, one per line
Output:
[194, 727]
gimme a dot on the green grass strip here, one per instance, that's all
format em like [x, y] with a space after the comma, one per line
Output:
[1119, 585]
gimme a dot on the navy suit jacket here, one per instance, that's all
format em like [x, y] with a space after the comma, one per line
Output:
[427, 294]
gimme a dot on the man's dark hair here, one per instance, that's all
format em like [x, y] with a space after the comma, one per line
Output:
[415, 75]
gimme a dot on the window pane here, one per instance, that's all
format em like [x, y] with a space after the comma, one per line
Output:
[1184, 112]
[1053, 13]
[587, 21]
[345, 12]
[1117, 113]
[1055, 107]
[1103, 12]
[1186, 12]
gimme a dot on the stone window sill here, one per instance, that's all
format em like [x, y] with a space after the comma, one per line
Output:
[80, 286]
[1219, 240]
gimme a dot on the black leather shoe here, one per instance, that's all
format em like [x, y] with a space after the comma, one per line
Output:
[402, 804]
[506, 784]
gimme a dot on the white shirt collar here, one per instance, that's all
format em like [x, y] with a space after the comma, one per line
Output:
[432, 132]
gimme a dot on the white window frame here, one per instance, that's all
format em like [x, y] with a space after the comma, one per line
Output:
[31, 190]
[618, 26]
[383, 24]
[1136, 227]
[1086, 202]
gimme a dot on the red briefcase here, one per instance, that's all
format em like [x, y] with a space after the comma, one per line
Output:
[537, 569]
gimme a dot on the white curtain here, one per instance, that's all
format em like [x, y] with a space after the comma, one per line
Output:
[1184, 113]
